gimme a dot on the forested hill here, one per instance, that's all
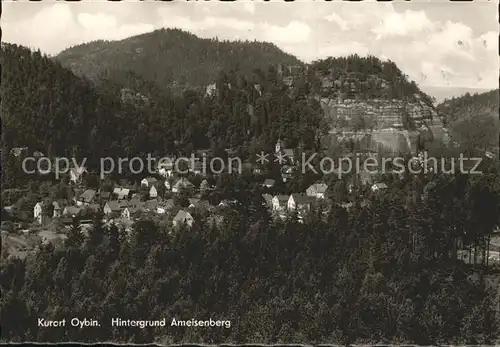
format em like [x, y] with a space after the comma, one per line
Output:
[468, 105]
[172, 58]
[356, 77]
[474, 120]
[49, 109]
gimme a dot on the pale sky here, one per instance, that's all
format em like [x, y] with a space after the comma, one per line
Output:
[437, 44]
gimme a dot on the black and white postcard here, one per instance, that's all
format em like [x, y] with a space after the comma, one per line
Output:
[204, 172]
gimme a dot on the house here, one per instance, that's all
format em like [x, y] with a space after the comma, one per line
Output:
[153, 192]
[205, 186]
[317, 190]
[379, 186]
[76, 174]
[182, 184]
[121, 193]
[134, 202]
[148, 181]
[71, 211]
[268, 183]
[131, 212]
[112, 207]
[299, 202]
[151, 205]
[57, 209]
[193, 201]
[165, 206]
[38, 212]
[104, 195]
[183, 218]
[279, 202]
[86, 197]
[17, 151]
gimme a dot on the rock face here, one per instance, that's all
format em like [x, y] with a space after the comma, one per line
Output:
[394, 125]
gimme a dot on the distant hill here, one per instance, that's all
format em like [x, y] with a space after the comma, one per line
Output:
[442, 93]
[356, 77]
[470, 105]
[474, 120]
[171, 58]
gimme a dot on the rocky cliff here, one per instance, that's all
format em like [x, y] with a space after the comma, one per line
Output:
[394, 125]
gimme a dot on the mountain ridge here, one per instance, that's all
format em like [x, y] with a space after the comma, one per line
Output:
[187, 61]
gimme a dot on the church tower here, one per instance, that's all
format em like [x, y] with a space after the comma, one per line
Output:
[278, 146]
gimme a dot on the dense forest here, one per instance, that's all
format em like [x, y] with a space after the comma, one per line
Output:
[172, 58]
[382, 272]
[48, 109]
[474, 120]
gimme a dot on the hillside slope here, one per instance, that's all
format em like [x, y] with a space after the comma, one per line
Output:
[474, 120]
[171, 58]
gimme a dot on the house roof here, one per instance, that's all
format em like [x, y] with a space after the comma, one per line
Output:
[72, 210]
[183, 183]
[282, 197]
[150, 180]
[301, 198]
[269, 182]
[121, 192]
[182, 216]
[135, 202]
[134, 209]
[88, 195]
[16, 151]
[151, 204]
[94, 207]
[317, 188]
[104, 195]
[114, 205]
[288, 152]
[380, 185]
[169, 203]
[267, 197]
[123, 203]
[66, 220]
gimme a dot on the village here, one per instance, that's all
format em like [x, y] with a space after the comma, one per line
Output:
[157, 195]
[176, 199]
